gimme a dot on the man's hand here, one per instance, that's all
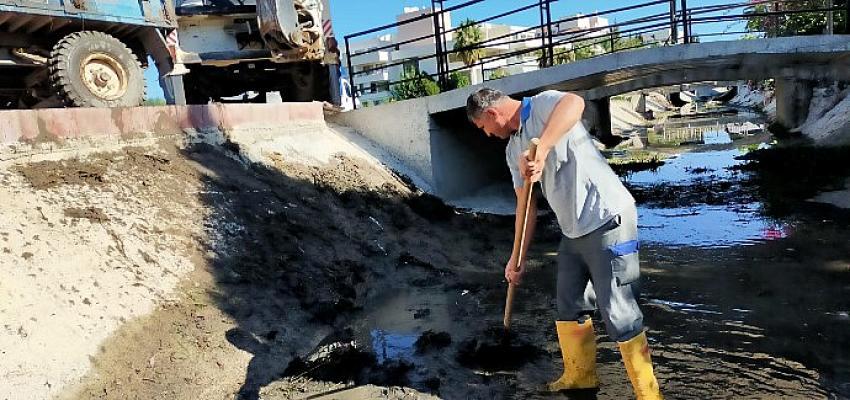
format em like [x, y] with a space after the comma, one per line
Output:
[533, 169]
[511, 274]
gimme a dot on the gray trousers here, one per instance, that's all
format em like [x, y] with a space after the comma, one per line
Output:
[601, 269]
[333, 77]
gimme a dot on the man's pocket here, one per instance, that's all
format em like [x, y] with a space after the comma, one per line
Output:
[625, 261]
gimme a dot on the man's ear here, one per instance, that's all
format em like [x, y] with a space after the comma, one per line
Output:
[491, 111]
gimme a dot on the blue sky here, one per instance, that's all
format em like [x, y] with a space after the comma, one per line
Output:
[350, 16]
[152, 80]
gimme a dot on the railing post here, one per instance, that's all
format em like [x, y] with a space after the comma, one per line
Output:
[674, 34]
[686, 31]
[847, 17]
[350, 72]
[544, 62]
[830, 18]
[549, 32]
[445, 58]
[438, 45]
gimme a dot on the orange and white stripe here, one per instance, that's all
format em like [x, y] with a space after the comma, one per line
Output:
[172, 42]
[327, 28]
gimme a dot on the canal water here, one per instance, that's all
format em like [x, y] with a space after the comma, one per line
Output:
[734, 221]
[740, 301]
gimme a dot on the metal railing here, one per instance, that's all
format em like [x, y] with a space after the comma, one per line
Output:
[565, 40]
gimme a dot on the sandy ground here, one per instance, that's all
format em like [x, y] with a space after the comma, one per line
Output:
[827, 122]
[84, 250]
[624, 118]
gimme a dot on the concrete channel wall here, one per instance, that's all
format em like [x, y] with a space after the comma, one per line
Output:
[27, 133]
[445, 151]
[403, 128]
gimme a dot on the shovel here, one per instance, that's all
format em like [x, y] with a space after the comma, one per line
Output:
[525, 202]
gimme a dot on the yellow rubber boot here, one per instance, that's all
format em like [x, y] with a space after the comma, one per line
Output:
[578, 348]
[635, 352]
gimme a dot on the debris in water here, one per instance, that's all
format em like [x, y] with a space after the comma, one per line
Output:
[432, 340]
[339, 362]
[392, 345]
[345, 362]
[375, 221]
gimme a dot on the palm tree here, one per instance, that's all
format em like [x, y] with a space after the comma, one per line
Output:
[468, 35]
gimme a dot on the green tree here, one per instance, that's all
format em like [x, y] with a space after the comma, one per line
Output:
[580, 51]
[458, 80]
[621, 43]
[414, 84]
[564, 55]
[498, 73]
[468, 35]
[796, 23]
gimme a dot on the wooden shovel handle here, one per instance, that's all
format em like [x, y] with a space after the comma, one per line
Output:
[525, 203]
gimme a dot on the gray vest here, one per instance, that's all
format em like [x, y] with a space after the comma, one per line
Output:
[577, 182]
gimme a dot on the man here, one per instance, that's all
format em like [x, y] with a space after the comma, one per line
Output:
[331, 60]
[598, 219]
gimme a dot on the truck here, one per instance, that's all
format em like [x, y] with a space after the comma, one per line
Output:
[227, 48]
[93, 53]
[89, 53]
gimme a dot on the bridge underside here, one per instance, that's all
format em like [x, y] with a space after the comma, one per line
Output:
[730, 68]
[438, 142]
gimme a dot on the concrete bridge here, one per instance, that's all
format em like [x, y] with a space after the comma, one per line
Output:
[433, 138]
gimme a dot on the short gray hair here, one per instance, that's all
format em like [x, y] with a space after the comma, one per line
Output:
[481, 100]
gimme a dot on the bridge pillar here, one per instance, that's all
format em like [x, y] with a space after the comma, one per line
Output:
[641, 104]
[597, 118]
[793, 97]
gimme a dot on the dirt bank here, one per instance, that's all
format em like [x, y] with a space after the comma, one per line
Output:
[86, 246]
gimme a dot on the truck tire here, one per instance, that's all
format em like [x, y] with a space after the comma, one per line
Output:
[94, 69]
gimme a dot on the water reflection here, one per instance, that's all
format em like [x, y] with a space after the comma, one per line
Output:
[392, 345]
[703, 225]
[709, 226]
[687, 307]
[692, 165]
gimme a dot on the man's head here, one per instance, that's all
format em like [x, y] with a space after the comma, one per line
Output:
[490, 110]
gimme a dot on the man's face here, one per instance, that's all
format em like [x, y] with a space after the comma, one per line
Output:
[493, 123]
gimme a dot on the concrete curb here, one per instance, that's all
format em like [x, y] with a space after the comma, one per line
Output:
[28, 132]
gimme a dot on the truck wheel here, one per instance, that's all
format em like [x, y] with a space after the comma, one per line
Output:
[94, 69]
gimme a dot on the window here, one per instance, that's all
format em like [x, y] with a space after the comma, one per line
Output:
[383, 86]
[411, 65]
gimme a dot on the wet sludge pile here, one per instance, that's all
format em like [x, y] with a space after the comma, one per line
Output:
[496, 350]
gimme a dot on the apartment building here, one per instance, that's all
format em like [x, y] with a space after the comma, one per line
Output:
[506, 45]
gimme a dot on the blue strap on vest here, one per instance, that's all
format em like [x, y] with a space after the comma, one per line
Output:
[525, 112]
[625, 248]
